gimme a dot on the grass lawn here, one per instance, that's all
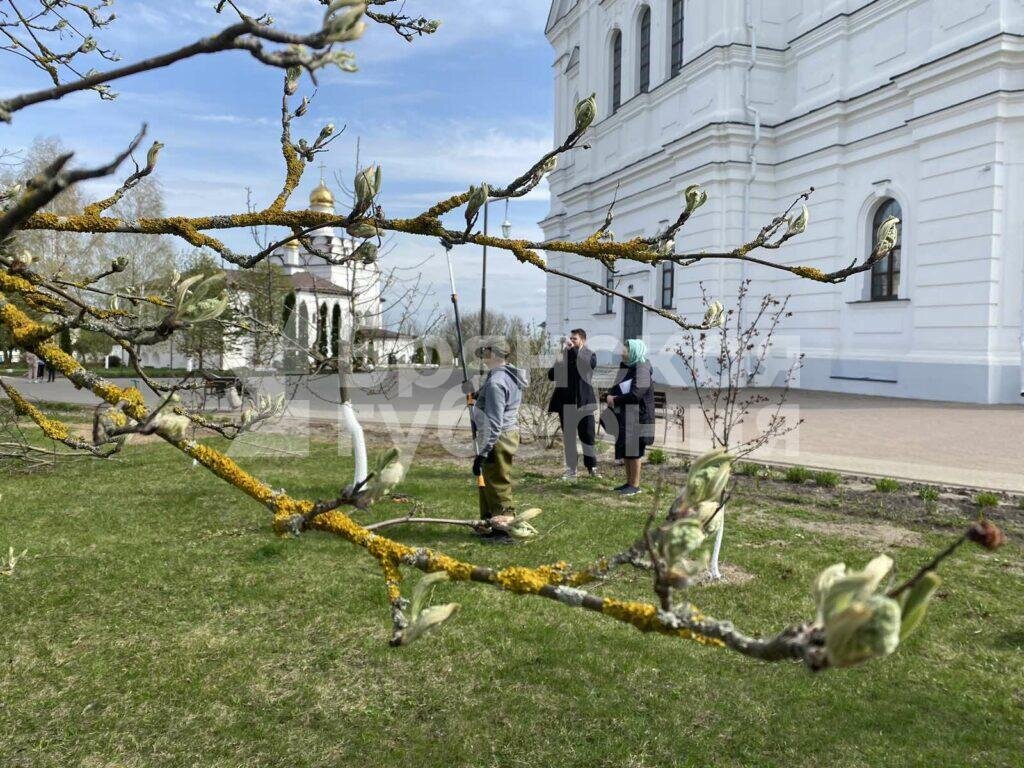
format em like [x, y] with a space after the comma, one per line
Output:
[156, 621]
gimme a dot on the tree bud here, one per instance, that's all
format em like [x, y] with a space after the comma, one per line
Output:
[367, 185]
[715, 315]
[798, 224]
[154, 152]
[477, 200]
[586, 111]
[695, 197]
[362, 229]
[888, 235]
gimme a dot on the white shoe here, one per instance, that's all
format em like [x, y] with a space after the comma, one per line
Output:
[569, 476]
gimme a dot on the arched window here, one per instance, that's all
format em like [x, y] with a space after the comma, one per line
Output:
[288, 316]
[303, 326]
[336, 330]
[885, 274]
[644, 47]
[321, 332]
[677, 36]
[616, 71]
[668, 284]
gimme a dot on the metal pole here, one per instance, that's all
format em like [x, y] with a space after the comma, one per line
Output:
[483, 288]
[462, 351]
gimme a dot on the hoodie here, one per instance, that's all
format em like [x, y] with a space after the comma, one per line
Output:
[496, 408]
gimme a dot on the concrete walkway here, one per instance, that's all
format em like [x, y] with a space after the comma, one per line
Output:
[942, 443]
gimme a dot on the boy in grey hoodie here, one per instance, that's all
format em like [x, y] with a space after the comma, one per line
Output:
[496, 429]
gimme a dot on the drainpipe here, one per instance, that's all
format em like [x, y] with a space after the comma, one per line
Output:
[755, 116]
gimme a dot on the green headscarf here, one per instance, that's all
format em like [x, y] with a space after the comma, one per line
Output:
[637, 352]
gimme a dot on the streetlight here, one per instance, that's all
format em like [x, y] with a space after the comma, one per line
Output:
[506, 232]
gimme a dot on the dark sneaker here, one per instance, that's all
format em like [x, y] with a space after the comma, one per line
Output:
[621, 487]
[496, 537]
[629, 490]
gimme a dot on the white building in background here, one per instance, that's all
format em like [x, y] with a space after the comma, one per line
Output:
[908, 106]
[325, 302]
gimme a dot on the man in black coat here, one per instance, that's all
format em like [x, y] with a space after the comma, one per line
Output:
[574, 401]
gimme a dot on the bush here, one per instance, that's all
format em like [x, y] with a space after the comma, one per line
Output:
[928, 494]
[656, 456]
[886, 485]
[986, 499]
[827, 479]
[797, 475]
[747, 469]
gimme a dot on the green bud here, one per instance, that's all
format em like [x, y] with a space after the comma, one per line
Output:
[171, 425]
[362, 229]
[520, 527]
[428, 620]
[835, 588]
[119, 264]
[291, 80]
[864, 630]
[707, 477]
[888, 235]
[586, 111]
[366, 253]
[154, 152]
[695, 197]
[915, 603]
[477, 200]
[367, 185]
[325, 133]
[715, 315]
[798, 224]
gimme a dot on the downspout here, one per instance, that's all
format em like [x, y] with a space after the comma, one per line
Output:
[755, 115]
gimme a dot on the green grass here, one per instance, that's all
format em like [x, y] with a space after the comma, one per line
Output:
[156, 621]
[986, 499]
[798, 475]
[928, 493]
[656, 456]
[887, 485]
[827, 479]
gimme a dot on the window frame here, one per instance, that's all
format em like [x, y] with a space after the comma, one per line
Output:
[677, 27]
[644, 50]
[609, 298]
[668, 284]
[616, 70]
[886, 274]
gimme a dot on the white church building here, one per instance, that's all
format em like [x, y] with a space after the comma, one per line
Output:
[912, 107]
[327, 302]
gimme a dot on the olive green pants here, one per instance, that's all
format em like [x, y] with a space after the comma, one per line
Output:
[496, 492]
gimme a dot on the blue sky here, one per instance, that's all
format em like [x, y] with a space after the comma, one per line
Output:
[473, 102]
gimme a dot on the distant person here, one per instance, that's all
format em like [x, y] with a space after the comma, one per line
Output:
[495, 417]
[574, 401]
[631, 399]
[51, 372]
[33, 370]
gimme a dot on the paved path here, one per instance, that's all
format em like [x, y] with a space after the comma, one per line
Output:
[946, 443]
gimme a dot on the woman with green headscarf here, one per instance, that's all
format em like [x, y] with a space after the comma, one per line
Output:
[631, 399]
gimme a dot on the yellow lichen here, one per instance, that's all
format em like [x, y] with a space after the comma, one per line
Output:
[53, 429]
[812, 273]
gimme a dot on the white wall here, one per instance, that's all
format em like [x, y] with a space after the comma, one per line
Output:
[917, 100]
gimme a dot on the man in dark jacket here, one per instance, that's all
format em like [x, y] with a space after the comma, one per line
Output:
[574, 401]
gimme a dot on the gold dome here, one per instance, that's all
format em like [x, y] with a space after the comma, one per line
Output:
[321, 195]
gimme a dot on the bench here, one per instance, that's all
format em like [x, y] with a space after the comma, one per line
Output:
[660, 407]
